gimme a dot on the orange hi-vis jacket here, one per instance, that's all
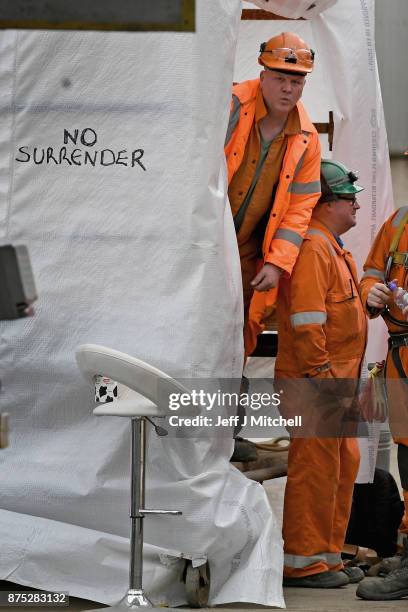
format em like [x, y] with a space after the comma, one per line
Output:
[299, 183]
[322, 325]
[297, 193]
[374, 267]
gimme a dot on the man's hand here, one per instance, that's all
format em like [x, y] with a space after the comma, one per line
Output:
[378, 296]
[267, 278]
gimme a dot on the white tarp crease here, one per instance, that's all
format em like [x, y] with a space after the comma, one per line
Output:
[110, 156]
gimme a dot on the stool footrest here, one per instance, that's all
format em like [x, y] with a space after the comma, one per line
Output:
[144, 511]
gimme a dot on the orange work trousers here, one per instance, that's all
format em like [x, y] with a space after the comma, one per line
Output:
[392, 373]
[249, 264]
[257, 305]
[318, 497]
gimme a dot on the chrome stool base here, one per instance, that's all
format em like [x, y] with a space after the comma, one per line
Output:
[133, 600]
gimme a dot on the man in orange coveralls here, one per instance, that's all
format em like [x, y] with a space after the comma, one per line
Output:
[322, 331]
[388, 260]
[273, 157]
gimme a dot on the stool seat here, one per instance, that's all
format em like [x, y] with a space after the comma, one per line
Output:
[94, 359]
[129, 408]
[147, 388]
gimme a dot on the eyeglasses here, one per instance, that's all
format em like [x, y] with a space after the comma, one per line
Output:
[352, 201]
[291, 56]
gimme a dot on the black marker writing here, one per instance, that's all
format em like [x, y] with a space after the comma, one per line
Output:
[65, 156]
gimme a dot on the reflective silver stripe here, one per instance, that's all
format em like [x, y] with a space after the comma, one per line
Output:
[289, 236]
[301, 561]
[234, 118]
[373, 272]
[304, 188]
[312, 231]
[333, 558]
[304, 318]
[299, 164]
[398, 217]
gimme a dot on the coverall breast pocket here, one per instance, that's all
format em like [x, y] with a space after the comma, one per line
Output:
[342, 318]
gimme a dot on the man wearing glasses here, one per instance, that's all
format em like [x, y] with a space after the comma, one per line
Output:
[273, 158]
[322, 331]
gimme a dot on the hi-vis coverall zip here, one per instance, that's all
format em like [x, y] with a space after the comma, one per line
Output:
[297, 191]
[322, 333]
[374, 272]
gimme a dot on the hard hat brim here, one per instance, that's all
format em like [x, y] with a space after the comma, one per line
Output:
[279, 64]
[347, 189]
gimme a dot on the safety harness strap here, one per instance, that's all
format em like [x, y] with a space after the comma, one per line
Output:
[397, 362]
[401, 259]
[395, 342]
[387, 315]
[395, 242]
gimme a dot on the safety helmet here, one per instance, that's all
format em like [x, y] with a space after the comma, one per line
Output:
[287, 52]
[337, 181]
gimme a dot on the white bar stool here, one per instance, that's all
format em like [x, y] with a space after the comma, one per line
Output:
[144, 379]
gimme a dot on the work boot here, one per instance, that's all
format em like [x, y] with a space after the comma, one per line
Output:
[354, 574]
[385, 566]
[393, 586]
[323, 580]
[244, 450]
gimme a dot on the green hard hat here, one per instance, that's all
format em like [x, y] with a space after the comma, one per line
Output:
[337, 180]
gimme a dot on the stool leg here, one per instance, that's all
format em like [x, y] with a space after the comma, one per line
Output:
[137, 495]
[136, 502]
[136, 598]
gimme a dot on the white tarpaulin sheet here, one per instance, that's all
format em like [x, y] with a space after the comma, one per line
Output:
[345, 80]
[110, 156]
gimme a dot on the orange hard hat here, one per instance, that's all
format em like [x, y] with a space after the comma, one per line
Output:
[287, 52]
